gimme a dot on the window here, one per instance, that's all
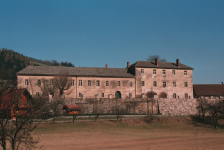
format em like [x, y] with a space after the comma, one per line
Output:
[72, 82]
[38, 82]
[37, 94]
[130, 95]
[107, 83]
[102, 94]
[174, 95]
[173, 72]
[26, 82]
[154, 71]
[80, 94]
[51, 82]
[89, 82]
[131, 83]
[185, 84]
[80, 82]
[164, 84]
[97, 83]
[143, 83]
[185, 72]
[174, 84]
[186, 95]
[118, 83]
[154, 83]
[142, 71]
[52, 93]
[164, 71]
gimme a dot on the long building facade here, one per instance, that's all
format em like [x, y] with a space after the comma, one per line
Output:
[173, 79]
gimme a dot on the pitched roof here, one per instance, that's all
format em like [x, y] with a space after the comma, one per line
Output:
[209, 89]
[76, 71]
[10, 97]
[165, 65]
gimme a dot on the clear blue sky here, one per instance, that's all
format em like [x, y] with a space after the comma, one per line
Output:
[93, 33]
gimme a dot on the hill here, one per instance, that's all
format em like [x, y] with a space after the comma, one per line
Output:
[12, 62]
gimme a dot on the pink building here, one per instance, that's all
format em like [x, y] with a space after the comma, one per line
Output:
[174, 79]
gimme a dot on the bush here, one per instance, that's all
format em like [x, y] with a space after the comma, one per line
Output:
[151, 94]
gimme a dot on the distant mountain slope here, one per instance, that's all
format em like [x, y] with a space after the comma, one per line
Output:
[12, 62]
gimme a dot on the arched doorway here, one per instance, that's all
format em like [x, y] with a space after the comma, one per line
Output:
[118, 94]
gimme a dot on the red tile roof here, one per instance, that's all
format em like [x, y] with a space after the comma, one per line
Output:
[10, 96]
[72, 107]
[209, 89]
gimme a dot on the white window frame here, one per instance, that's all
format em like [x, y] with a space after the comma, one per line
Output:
[38, 82]
[164, 84]
[80, 82]
[89, 82]
[154, 83]
[118, 83]
[163, 72]
[154, 71]
[174, 95]
[173, 72]
[51, 82]
[185, 73]
[107, 83]
[97, 82]
[72, 82]
[142, 71]
[174, 84]
[26, 82]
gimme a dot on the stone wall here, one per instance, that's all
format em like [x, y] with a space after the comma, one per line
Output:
[177, 107]
[111, 106]
[164, 106]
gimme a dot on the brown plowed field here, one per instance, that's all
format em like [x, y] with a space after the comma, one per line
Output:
[175, 133]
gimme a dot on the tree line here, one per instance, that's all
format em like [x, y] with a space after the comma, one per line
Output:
[12, 62]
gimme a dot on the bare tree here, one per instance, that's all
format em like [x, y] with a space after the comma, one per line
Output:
[216, 110]
[97, 109]
[119, 109]
[62, 82]
[202, 107]
[23, 109]
[153, 57]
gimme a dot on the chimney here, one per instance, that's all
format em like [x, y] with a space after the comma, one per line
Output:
[106, 65]
[128, 64]
[178, 63]
[156, 62]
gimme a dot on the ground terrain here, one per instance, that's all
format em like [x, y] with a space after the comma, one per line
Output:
[170, 133]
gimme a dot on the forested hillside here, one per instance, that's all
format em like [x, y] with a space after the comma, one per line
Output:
[12, 62]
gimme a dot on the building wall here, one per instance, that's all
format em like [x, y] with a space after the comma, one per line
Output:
[93, 90]
[85, 90]
[148, 77]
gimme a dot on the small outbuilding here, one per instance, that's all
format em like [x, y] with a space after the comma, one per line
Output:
[14, 102]
[71, 109]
